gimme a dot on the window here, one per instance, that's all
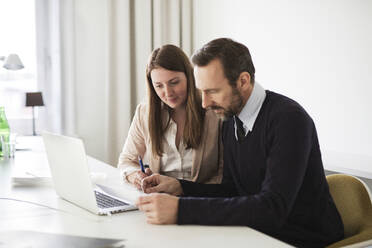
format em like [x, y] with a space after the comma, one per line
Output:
[17, 25]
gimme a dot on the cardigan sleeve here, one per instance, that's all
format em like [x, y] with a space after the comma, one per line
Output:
[225, 189]
[267, 210]
[135, 144]
[212, 161]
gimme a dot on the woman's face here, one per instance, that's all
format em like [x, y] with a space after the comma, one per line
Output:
[170, 86]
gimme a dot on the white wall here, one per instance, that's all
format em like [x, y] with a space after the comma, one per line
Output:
[103, 70]
[91, 45]
[317, 52]
[106, 45]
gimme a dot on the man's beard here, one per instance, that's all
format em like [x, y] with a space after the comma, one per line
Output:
[235, 106]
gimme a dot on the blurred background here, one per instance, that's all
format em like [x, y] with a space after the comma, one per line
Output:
[88, 59]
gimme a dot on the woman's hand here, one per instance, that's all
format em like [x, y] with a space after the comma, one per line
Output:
[136, 177]
[161, 184]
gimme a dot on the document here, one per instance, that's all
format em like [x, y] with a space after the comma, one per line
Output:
[124, 191]
[30, 239]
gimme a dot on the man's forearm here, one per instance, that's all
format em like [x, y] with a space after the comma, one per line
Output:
[207, 190]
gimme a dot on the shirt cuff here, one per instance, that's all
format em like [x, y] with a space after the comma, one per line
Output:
[124, 173]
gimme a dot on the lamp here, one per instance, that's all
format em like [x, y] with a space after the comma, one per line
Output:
[34, 99]
[12, 62]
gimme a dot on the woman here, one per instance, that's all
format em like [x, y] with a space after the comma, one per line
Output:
[172, 133]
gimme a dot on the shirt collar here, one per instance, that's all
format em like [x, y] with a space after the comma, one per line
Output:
[252, 107]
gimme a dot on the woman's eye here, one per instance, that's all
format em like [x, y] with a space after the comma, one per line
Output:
[174, 82]
[158, 86]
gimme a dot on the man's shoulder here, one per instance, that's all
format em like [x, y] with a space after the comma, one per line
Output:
[282, 109]
[279, 100]
[277, 103]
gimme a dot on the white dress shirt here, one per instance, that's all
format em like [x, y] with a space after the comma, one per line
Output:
[252, 107]
[175, 162]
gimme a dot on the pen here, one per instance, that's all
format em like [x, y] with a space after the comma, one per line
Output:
[141, 164]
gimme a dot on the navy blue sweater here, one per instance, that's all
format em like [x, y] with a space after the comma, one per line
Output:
[273, 181]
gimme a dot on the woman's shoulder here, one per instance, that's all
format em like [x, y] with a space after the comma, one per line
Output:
[210, 115]
[141, 113]
[142, 107]
[142, 110]
[211, 120]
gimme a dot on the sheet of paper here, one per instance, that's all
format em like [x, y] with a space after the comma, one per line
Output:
[126, 192]
[30, 239]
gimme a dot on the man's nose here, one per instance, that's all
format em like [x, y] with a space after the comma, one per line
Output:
[206, 102]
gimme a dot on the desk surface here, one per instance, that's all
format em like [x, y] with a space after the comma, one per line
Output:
[59, 216]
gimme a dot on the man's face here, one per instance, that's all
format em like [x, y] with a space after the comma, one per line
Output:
[217, 93]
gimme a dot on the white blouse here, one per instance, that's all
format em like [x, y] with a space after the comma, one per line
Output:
[175, 162]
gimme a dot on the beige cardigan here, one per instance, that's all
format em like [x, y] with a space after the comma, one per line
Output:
[207, 160]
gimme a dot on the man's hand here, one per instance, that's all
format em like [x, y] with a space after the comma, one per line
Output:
[161, 184]
[136, 177]
[159, 208]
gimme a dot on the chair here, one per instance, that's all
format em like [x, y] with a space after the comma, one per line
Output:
[352, 199]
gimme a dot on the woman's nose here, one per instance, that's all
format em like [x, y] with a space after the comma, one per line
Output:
[168, 90]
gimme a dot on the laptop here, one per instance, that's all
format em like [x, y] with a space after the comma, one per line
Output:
[72, 180]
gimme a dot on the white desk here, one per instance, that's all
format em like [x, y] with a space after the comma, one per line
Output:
[132, 226]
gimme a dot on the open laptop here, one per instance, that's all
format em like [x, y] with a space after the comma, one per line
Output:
[71, 176]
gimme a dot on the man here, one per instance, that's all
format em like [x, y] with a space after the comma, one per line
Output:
[273, 177]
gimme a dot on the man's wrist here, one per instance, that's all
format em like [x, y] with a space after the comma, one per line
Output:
[177, 209]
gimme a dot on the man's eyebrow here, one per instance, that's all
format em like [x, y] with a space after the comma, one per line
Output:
[211, 89]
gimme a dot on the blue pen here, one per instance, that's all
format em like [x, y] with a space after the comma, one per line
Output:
[141, 164]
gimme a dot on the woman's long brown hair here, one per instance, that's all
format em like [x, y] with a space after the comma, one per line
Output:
[173, 58]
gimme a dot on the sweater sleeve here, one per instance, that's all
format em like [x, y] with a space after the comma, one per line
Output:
[286, 163]
[135, 144]
[225, 189]
[207, 190]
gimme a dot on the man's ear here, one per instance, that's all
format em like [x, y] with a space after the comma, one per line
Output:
[244, 81]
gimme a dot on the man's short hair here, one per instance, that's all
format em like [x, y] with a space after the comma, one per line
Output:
[235, 58]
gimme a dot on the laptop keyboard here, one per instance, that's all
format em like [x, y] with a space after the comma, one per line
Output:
[105, 201]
